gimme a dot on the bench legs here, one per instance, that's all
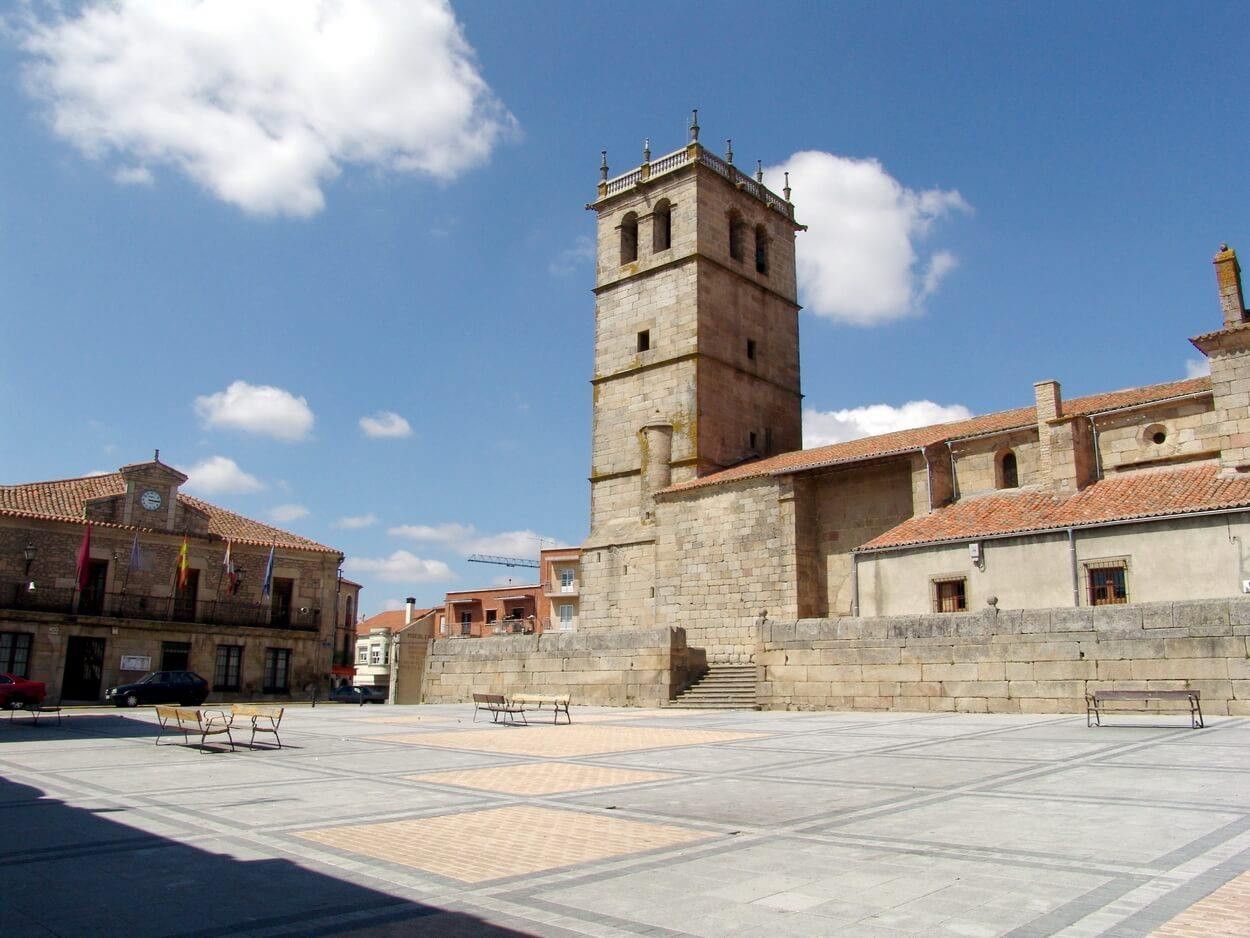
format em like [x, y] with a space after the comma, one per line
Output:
[509, 713]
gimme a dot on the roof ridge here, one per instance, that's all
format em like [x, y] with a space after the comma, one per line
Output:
[86, 478]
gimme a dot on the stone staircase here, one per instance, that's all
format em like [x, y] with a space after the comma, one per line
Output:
[723, 687]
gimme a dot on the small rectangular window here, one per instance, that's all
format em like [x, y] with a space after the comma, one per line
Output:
[644, 340]
[751, 349]
[362, 654]
[277, 671]
[1107, 583]
[15, 653]
[950, 595]
[226, 671]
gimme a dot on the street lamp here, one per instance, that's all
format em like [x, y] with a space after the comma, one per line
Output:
[28, 552]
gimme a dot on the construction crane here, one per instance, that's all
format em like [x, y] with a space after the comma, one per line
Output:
[503, 561]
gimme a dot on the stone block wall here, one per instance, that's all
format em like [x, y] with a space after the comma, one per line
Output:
[625, 668]
[1016, 661]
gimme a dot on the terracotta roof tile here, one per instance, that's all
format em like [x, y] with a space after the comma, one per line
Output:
[64, 500]
[902, 441]
[392, 620]
[1151, 493]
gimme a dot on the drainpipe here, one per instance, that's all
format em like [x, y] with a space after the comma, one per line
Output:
[1093, 429]
[1076, 583]
[854, 584]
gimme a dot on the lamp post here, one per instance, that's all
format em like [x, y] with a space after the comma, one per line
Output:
[28, 553]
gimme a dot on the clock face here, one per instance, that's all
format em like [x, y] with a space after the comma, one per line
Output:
[151, 500]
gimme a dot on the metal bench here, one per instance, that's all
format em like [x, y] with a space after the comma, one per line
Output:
[559, 703]
[1094, 703]
[261, 719]
[188, 720]
[497, 705]
[36, 711]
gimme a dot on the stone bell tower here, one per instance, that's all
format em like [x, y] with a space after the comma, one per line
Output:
[696, 351]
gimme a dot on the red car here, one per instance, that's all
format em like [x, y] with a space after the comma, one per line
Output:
[16, 691]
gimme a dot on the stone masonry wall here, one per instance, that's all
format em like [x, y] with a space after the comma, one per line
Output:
[1015, 661]
[609, 668]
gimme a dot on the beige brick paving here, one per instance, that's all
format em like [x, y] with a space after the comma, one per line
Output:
[478, 846]
[1225, 912]
[541, 778]
[564, 741]
[402, 720]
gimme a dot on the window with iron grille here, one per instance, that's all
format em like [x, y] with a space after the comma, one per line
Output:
[277, 670]
[1107, 582]
[950, 595]
[15, 653]
[228, 667]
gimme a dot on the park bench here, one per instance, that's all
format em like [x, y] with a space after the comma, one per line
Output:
[1094, 703]
[559, 703]
[188, 720]
[35, 710]
[497, 705]
[262, 719]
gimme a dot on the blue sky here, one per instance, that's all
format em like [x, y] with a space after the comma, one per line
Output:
[233, 231]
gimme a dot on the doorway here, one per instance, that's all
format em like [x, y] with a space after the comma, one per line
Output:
[84, 666]
[185, 597]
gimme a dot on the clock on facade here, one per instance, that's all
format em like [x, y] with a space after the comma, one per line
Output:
[151, 499]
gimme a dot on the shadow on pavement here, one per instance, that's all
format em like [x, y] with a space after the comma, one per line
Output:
[73, 871]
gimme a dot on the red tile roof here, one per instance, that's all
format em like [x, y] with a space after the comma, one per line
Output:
[392, 620]
[903, 441]
[65, 500]
[1147, 493]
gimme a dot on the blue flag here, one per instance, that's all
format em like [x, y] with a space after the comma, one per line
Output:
[266, 585]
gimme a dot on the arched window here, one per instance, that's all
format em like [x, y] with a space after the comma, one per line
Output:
[737, 234]
[1009, 474]
[629, 238]
[662, 226]
[761, 250]
[349, 620]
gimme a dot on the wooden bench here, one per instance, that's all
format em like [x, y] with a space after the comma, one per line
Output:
[36, 711]
[559, 703]
[498, 705]
[1094, 703]
[188, 720]
[262, 719]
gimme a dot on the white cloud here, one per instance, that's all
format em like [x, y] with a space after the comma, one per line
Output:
[263, 103]
[465, 539]
[219, 475]
[257, 408]
[133, 176]
[285, 513]
[1197, 367]
[859, 261]
[400, 567]
[385, 424]
[822, 427]
[572, 258]
[391, 605]
[96, 472]
[356, 521]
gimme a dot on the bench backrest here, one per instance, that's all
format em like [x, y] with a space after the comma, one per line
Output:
[180, 714]
[256, 710]
[1147, 695]
[488, 698]
[562, 699]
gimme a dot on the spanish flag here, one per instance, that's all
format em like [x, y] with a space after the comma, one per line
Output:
[182, 565]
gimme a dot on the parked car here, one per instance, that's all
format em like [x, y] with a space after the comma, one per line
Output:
[358, 695]
[180, 687]
[17, 691]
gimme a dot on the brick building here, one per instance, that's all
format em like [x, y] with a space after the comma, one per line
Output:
[134, 604]
[502, 610]
[559, 570]
[706, 514]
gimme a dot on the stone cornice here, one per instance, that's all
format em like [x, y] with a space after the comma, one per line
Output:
[1230, 339]
[687, 258]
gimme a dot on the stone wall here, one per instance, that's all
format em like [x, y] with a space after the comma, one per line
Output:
[1015, 661]
[610, 669]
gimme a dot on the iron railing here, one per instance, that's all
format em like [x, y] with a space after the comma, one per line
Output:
[68, 601]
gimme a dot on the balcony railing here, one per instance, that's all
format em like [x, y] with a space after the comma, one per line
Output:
[67, 601]
[556, 588]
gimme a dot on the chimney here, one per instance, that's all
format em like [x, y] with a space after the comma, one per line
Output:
[1065, 458]
[1049, 401]
[1228, 279]
[410, 605]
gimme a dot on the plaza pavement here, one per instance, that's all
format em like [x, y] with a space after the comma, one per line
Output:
[414, 821]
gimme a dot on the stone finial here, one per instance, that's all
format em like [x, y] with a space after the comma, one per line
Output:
[694, 126]
[1228, 280]
[603, 166]
[759, 172]
[156, 456]
[786, 191]
[646, 150]
[729, 152]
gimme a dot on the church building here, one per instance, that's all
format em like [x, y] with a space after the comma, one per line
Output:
[707, 514]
